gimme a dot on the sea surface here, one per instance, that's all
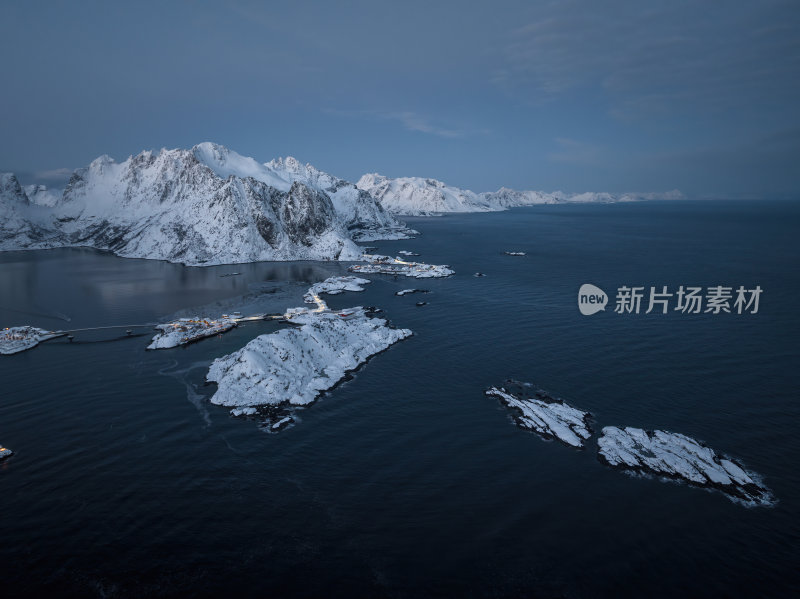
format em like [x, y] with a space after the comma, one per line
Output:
[406, 481]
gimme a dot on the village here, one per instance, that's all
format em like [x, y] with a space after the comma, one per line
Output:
[16, 339]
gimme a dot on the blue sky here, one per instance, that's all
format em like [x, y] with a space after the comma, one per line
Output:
[598, 96]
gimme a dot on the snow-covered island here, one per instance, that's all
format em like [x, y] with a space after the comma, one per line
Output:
[185, 330]
[282, 423]
[407, 253]
[334, 286]
[679, 457]
[296, 365]
[377, 264]
[403, 292]
[16, 339]
[548, 416]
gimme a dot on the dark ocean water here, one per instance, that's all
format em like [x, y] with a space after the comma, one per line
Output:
[406, 481]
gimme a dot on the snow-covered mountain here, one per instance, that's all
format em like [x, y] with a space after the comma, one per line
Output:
[210, 205]
[206, 205]
[366, 218]
[21, 223]
[414, 196]
[511, 198]
[40, 195]
[417, 196]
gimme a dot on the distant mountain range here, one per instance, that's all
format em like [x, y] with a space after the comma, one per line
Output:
[414, 196]
[209, 205]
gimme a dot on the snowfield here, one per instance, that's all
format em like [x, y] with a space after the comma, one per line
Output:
[295, 365]
[679, 457]
[547, 416]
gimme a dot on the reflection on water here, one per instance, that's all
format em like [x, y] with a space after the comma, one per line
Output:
[41, 286]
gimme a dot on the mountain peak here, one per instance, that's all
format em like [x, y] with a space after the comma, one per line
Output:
[224, 163]
[290, 164]
[101, 162]
[10, 188]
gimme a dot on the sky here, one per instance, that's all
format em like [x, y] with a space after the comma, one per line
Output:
[571, 95]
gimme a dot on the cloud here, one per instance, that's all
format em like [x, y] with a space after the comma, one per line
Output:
[410, 121]
[414, 122]
[646, 59]
[572, 151]
[57, 175]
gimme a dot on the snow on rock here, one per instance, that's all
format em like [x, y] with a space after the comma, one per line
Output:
[679, 457]
[366, 219]
[377, 264]
[270, 418]
[16, 339]
[295, 365]
[282, 423]
[186, 330]
[40, 195]
[249, 411]
[403, 292]
[546, 415]
[334, 286]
